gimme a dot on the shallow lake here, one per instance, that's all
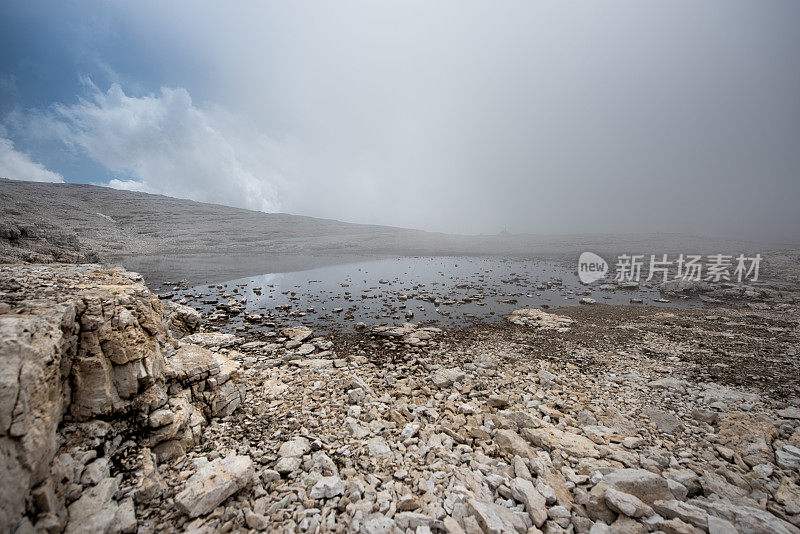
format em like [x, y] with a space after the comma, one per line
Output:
[430, 290]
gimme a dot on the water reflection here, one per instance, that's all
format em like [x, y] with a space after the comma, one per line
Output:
[432, 290]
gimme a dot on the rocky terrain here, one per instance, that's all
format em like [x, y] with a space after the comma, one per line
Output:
[71, 222]
[88, 362]
[120, 412]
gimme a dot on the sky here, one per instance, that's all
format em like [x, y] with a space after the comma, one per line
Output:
[454, 116]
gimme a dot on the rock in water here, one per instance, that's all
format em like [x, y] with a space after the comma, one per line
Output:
[680, 285]
[214, 483]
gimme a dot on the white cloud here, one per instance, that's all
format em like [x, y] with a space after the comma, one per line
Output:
[166, 144]
[18, 166]
[126, 185]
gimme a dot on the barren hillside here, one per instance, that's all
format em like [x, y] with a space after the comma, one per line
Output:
[166, 237]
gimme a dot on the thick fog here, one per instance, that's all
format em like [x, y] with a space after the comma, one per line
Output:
[465, 117]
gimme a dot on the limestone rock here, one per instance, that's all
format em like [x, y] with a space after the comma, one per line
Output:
[534, 502]
[640, 483]
[444, 378]
[182, 320]
[378, 524]
[255, 521]
[788, 457]
[664, 421]
[684, 511]
[792, 412]
[294, 448]
[95, 472]
[214, 483]
[192, 363]
[96, 511]
[626, 503]
[646, 486]
[745, 518]
[539, 319]
[377, 446]
[298, 333]
[288, 465]
[81, 339]
[750, 436]
[512, 444]
[415, 521]
[225, 400]
[681, 285]
[327, 488]
[496, 519]
[211, 339]
[670, 383]
[553, 438]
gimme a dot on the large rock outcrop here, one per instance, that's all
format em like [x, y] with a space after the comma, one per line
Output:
[82, 346]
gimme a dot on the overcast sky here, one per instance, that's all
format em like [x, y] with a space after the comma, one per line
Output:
[467, 117]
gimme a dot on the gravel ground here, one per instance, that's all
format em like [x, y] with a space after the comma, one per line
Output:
[389, 436]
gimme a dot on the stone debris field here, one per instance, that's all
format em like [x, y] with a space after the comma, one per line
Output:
[120, 412]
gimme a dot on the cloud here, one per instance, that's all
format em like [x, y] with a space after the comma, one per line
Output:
[447, 116]
[163, 143]
[16, 165]
[126, 185]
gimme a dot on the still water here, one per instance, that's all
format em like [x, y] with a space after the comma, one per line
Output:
[431, 290]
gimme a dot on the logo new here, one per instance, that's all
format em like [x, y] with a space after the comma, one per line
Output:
[591, 267]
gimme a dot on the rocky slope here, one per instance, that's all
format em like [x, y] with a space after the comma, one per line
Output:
[44, 222]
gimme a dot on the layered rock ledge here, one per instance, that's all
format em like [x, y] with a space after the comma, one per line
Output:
[88, 366]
